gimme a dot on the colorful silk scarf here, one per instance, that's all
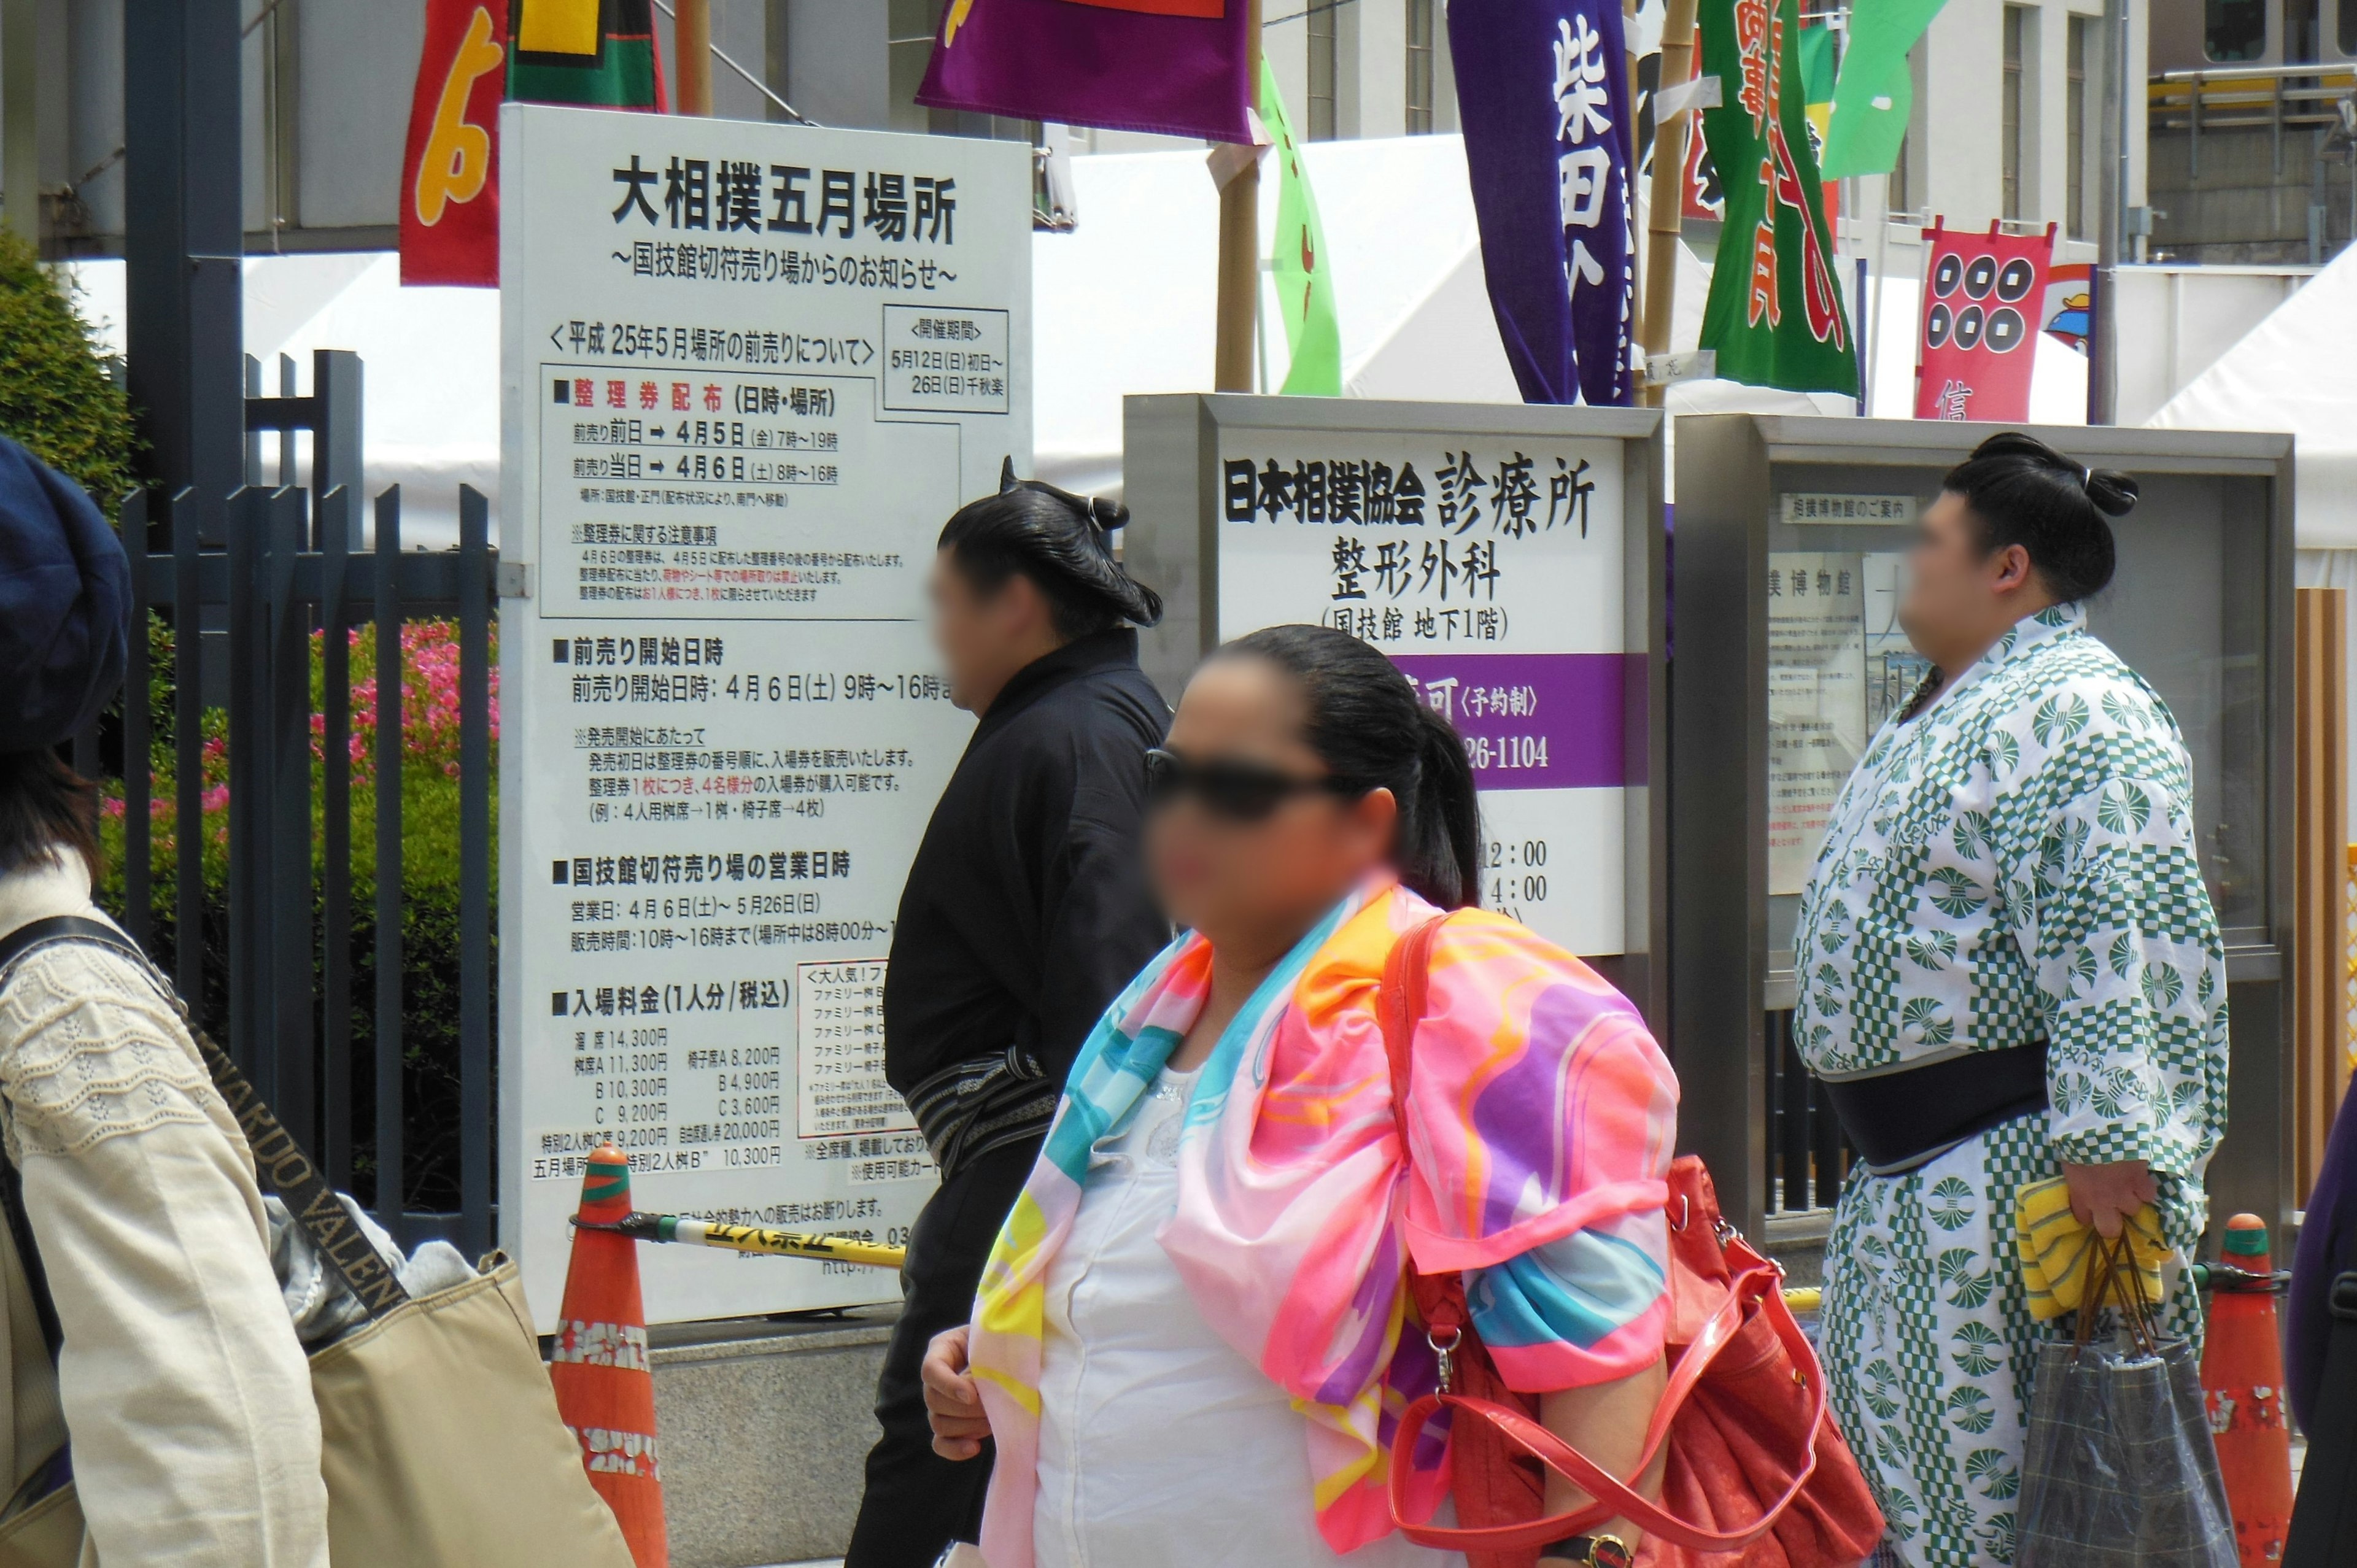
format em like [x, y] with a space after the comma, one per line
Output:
[1541, 1116]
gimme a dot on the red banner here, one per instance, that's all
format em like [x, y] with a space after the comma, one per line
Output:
[1983, 297]
[449, 172]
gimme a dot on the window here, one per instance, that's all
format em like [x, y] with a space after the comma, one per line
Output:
[1322, 53]
[2347, 29]
[2234, 29]
[1897, 200]
[1419, 67]
[2074, 198]
[2010, 152]
[2303, 31]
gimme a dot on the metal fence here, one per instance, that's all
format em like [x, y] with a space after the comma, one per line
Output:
[1807, 1155]
[247, 580]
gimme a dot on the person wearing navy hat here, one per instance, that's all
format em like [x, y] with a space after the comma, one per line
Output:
[141, 1313]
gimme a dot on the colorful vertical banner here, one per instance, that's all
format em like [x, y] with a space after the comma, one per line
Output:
[1546, 143]
[1982, 297]
[597, 52]
[1820, 52]
[449, 169]
[1775, 314]
[2068, 310]
[1875, 92]
[1298, 261]
[1175, 66]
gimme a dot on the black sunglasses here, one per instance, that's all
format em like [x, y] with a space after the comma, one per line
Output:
[1237, 792]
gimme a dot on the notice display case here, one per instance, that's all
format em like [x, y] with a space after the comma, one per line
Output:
[1508, 559]
[1788, 536]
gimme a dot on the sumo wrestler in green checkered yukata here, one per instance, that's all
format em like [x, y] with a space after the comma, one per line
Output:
[2008, 969]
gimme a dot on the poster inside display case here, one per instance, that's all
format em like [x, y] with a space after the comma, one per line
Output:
[1792, 542]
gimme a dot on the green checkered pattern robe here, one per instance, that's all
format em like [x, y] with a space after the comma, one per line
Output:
[2015, 865]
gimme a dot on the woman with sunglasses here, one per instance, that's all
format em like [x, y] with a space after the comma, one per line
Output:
[1193, 1340]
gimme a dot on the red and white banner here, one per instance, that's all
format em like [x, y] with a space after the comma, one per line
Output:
[449, 171]
[1983, 297]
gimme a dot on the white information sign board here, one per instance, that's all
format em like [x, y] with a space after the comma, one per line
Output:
[1491, 571]
[748, 370]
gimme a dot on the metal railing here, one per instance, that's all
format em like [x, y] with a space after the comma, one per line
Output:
[2277, 98]
[274, 568]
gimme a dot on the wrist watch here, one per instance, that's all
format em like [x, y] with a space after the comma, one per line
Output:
[1592, 1552]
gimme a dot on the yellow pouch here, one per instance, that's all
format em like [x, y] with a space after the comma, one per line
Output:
[2055, 1247]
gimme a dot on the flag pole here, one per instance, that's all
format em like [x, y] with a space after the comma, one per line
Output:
[1239, 241]
[1668, 198]
[1636, 86]
[692, 32]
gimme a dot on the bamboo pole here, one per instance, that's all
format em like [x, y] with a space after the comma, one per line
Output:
[692, 32]
[1668, 198]
[2320, 817]
[1239, 243]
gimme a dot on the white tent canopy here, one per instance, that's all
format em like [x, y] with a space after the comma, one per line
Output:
[2296, 371]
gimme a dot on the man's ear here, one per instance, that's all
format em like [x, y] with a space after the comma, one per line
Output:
[2014, 567]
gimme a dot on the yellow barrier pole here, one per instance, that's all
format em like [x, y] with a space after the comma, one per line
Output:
[847, 1249]
[748, 1239]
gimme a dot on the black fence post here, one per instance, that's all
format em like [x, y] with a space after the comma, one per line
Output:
[339, 509]
[186, 518]
[287, 1017]
[249, 818]
[391, 1205]
[475, 571]
[137, 740]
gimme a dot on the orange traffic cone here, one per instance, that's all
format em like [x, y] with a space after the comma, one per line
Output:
[604, 1390]
[2242, 1380]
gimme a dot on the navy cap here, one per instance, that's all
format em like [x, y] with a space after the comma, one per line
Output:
[65, 605]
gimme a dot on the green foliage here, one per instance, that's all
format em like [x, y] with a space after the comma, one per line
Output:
[56, 396]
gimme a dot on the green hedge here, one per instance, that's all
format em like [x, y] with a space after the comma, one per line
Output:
[57, 395]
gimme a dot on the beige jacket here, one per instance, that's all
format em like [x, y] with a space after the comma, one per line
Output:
[195, 1439]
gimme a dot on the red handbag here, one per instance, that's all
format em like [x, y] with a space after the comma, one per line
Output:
[1758, 1474]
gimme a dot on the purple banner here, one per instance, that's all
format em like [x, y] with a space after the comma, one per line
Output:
[1531, 721]
[1171, 66]
[1547, 125]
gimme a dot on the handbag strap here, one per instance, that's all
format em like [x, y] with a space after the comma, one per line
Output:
[1407, 970]
[1614, 1498]
[2113, 1273]
[279, 1159]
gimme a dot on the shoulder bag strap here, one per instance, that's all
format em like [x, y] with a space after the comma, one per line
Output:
[1407, 970]
[279, 1160]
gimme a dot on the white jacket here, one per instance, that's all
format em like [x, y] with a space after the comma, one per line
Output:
[195, 1439]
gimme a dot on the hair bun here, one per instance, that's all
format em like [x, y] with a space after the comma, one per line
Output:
[2113, 493]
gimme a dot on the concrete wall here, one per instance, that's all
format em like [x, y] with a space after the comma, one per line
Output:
[762, 1429]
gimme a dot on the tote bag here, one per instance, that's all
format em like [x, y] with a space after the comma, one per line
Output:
[441, 1443]
[2120, 1470]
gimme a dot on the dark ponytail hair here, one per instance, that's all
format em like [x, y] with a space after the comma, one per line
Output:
[1062, 542]
[2024, 493]
[1367, 726]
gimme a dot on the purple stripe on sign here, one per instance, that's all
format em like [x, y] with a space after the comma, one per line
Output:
[1531, 721]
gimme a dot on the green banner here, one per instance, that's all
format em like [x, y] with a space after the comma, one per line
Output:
[1298, 261]
[582, 52]
[1875, 93]
[1775, 316]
